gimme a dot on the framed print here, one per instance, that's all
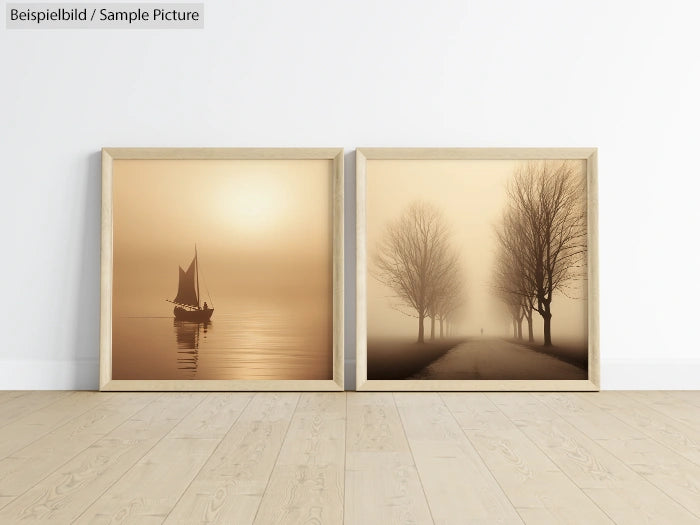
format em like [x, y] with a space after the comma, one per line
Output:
[477, 269]
[222, 269]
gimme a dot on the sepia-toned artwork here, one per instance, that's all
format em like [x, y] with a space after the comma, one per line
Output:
[221, 273]
[476, 269]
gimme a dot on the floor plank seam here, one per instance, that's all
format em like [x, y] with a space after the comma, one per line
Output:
[525, 436]
[559, 456]
[5, 399]
[50, 473]
[631, 397]
[345, 458]
[77, 518]
[471, 443]
[624, 463]
[413, 458]
[277, 457]
[646, 435]
[691, 426]
[51, 429]
[63, 395]
[250, 399]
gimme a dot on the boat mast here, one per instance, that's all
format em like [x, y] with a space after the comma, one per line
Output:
[196, 270]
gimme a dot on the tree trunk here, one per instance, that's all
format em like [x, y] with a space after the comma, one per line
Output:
[515, 329]
[547, 328]
[421, 318]
[520, 328]
[442, 333]
[530, 335]
[432, 327]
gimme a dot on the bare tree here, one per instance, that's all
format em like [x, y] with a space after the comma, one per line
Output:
[450, 296]
[414, 258]
[546, 211]
[451, 319]
[511, 280]
[445, 294]
[506, 285]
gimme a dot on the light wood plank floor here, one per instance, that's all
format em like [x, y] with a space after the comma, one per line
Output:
[357, 457]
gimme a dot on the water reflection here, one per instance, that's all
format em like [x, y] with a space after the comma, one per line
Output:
[266, 341]
[188, 336]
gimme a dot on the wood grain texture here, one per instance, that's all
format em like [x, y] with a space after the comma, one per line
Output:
[680, 437]
[675, 475]
[354, 458]
[20, 404]
[624, 495]
[26, 467]
[382, 485]
[231, 484]
[147, 492]
[681, 406]
[6, 395]
[458, 485]
[336, 174]
[63, 495]
[307, 483]
[691, 397]
[540, 492]
[36, 424]
[213, 417]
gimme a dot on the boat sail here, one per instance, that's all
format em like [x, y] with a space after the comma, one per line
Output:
[187, 304]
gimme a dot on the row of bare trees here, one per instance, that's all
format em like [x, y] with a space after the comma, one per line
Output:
[416, 261]
[541, 241]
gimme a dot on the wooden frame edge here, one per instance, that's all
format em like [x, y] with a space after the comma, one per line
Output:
[593, 268]
[338, 204]
[106, 273]
[335, 155]
[222, 153]
[223, 385]
[480, 385]
[360, 269]
[590, 155]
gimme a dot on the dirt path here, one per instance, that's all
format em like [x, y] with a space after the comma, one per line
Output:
[497, 359]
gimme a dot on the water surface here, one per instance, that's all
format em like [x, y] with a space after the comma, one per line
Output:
[247, 341]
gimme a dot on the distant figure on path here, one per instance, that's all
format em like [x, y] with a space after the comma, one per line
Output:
[482, 332]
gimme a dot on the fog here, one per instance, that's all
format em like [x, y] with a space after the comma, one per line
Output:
[471, 196]
[262, 230]
[264, 249]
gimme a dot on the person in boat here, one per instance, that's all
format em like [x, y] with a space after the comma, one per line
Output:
[205, 306]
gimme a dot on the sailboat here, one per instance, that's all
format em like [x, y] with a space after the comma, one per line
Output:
[187, 307]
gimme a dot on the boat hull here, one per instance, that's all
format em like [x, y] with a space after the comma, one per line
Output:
[195, 316]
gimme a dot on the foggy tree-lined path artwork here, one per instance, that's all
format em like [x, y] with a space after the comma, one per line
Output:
[477, 269]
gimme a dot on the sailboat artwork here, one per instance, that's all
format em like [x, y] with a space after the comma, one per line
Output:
[254, 230]
[187, 300]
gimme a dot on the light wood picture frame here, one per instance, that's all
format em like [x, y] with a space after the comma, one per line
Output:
[270, 226]
[394, 191]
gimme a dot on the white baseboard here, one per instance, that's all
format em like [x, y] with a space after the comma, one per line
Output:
[616, 374]
[82, 374]
[650, 374]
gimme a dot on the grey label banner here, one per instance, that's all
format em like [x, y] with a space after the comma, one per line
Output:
[104, 16]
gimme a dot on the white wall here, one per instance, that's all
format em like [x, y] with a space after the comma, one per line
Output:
[623, 76]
